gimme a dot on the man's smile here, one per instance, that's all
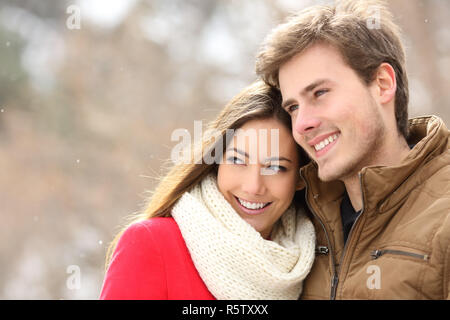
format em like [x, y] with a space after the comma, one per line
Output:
[324, 142]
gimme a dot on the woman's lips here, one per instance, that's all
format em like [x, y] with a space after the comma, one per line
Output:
[251, 211]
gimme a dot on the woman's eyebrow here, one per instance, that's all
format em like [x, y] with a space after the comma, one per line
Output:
[277, 159]
[265, 160]
[238, 151]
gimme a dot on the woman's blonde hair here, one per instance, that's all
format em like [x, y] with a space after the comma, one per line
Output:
[257, 101]
[363, 31]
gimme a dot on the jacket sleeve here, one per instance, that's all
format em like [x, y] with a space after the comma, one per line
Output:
[137, 268]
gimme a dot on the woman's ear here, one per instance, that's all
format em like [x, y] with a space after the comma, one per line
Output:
[300, 184]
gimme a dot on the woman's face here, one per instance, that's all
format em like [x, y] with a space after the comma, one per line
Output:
[259, 173]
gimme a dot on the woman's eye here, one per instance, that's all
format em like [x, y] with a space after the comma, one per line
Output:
[277, 168]
[235, 160]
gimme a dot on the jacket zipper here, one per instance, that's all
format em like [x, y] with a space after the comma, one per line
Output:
[333, 263]
[378, 253]
[336, 279]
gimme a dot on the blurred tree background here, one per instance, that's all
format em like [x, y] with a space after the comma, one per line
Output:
[86, 114]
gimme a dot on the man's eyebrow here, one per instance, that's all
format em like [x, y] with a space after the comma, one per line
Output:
[313, 85]
[305, 90]
[238, 151]
[287, 103]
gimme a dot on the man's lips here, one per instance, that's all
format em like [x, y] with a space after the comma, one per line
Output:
[321, 138]
[321, 144]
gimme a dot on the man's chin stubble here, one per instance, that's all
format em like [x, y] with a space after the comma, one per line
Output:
[338, 174]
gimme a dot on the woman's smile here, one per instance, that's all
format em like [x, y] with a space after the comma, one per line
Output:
[249, 207]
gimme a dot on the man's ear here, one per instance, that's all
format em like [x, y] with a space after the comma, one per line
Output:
[386, 83]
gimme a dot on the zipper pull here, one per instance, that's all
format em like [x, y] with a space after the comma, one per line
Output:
[334, 282]
[375, 254]
[322, 250]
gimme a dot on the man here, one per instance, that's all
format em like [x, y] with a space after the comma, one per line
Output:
[379, 185]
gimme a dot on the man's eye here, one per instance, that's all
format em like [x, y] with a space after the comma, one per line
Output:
[292, 108]
[318, 93]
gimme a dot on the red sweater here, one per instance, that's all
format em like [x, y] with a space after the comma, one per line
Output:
[151, 261]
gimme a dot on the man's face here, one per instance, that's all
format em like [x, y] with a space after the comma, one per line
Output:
[334, 115]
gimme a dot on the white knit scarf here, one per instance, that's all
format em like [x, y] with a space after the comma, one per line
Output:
[232, 258]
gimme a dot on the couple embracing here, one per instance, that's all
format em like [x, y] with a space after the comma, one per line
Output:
[354, 203]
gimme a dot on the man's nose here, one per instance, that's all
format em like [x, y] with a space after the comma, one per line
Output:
[253, 181]
[306, 121]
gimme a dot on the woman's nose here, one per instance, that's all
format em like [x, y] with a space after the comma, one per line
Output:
[253, 181]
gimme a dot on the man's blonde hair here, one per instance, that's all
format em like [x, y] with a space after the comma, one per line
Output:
[362, 30]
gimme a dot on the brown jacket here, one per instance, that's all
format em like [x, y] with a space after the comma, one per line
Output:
[399, 247]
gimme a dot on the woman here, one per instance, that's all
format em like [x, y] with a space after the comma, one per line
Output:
[226, 230]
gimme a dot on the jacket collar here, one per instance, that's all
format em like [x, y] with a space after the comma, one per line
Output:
[384, 187]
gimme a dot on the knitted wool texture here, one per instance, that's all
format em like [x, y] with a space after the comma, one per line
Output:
[232, 258]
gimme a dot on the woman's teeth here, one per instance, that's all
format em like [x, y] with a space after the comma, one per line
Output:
[252, 205]
[325, 142]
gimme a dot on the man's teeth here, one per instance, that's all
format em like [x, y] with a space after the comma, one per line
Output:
[252, 205]
[325, 142]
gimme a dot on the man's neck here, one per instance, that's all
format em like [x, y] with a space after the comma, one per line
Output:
[353, 187]
[394, 156]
